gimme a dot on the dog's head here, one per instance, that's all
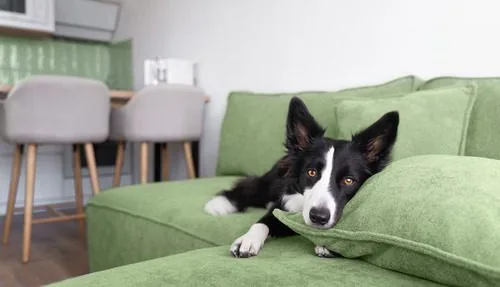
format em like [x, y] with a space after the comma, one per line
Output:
[330, 172]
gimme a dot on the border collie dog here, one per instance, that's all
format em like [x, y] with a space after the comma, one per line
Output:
[317, 176]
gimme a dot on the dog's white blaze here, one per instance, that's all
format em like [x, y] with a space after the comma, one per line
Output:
[319, 195]
[220, 206]
[293, 202]
[252, 241]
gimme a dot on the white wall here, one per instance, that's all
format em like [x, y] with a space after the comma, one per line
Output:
[287, 45]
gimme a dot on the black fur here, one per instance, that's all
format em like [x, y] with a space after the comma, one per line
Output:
[367, 153]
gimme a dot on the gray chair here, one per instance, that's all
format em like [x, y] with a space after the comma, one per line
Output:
[158, 114]
[52, 110]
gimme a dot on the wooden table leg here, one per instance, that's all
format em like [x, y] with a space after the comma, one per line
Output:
[143, 163]
[120, 157]
[92, 167]
[77, 173]
[157, 160]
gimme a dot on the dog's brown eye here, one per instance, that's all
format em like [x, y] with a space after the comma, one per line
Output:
[311, 172]
[347, 181]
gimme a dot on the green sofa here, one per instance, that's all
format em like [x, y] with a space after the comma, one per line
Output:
[159, 235]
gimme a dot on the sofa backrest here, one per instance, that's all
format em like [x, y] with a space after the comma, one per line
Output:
[483, 137]
[253, 129]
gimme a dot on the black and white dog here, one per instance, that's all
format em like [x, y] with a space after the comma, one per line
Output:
[317, 176]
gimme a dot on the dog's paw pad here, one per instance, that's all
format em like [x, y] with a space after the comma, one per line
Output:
[219, 206]
[322, 251]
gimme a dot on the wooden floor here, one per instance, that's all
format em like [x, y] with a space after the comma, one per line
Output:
[57, 252]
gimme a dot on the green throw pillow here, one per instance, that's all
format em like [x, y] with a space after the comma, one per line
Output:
[431, 122]
[483, 137]
[433, 216]
[253, 130]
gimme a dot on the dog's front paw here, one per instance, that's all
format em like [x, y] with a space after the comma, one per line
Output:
[251, 242]
[245, 247]
[322, 251]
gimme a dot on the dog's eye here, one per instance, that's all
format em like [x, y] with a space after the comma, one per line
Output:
[311, 172]
[348, 181]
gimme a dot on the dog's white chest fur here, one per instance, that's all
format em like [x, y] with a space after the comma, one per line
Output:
[293, 202]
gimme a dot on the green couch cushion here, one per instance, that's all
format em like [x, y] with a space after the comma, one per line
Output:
[140, 222]
[484, 130]
[431, 122]
[253, 130]
[284, 262]
[434, 216]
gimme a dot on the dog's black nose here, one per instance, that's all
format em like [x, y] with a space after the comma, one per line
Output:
[319, 215]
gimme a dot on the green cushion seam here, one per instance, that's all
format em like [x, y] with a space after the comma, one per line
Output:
[416, 83]
[405, 244]
[114, 209]
[468, 112]
[425, 84]
[288, 93]
[365, 87]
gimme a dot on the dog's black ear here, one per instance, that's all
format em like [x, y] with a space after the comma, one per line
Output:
[301, 127]
[376, 141]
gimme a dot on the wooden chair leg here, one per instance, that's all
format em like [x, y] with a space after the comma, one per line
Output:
[120, 156]
[14, 182]
[28, 200]
[77, 172]
[164, 162]
[94, 177]
[189, 160]
[143, 158]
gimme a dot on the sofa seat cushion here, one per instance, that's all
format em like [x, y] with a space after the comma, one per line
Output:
[282, 262]
[140, 222]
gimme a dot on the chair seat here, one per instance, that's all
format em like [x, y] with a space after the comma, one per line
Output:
[140, 222]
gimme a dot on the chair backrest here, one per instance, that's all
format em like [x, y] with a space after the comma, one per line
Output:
[166, 112]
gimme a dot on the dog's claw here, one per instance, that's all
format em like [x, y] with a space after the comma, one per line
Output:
[241, 249]
[235, 251]
[244, 255]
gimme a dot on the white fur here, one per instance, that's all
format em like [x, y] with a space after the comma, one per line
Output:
[319, 195]
[321, 251]
[220, 206]
[293, 202]
[251, 242]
